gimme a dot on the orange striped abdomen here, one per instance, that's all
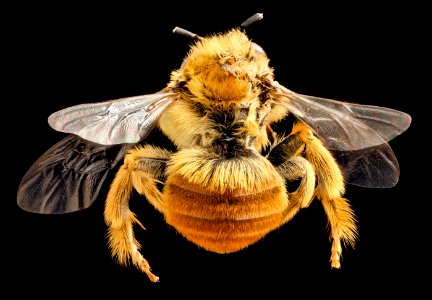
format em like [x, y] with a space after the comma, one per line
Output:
[226, 221]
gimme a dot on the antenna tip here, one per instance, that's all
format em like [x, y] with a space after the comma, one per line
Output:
[185, 32]
[254, 18]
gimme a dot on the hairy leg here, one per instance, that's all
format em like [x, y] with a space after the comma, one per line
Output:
[329, 191]
[292, 169]
[285, 155]
[143, 168]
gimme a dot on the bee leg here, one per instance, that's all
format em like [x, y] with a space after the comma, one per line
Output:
[293, 169]
[329, 191]
[142, 169]
[285, 155]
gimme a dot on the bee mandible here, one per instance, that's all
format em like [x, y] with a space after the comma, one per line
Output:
[224, 182]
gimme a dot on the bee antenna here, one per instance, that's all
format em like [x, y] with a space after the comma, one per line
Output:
[186, 33]
[253, 19]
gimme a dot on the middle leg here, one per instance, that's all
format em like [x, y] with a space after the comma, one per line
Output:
[285, 154]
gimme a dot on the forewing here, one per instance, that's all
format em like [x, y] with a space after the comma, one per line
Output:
[125, 120]
[346, 126]
[69, 176]
[357, 134]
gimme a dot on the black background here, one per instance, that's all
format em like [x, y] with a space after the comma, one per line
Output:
[70, 55]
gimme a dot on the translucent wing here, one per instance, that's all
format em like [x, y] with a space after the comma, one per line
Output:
[358, 134]
[68, 176]
[346, 126]
[125, 120]
[373, 167]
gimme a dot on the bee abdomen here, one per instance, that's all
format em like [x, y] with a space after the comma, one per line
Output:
[223, 222]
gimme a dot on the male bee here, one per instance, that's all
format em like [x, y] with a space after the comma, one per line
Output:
[225, 183]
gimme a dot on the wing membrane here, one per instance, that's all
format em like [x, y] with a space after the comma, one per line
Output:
[374, 167]
[125, 120]
[68, 176]
[357, 134]
[347, 126]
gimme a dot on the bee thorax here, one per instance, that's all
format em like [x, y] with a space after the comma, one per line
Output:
[228, 147]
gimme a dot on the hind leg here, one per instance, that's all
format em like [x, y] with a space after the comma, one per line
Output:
[329, 191]
[302, 155]
[143, 168]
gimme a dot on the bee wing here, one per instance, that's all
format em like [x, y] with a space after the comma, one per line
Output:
[125, 120]
[346, 126]
[373, 167]
[357, 134]
[68, 176]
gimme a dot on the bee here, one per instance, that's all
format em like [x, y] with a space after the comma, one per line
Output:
[227, 179]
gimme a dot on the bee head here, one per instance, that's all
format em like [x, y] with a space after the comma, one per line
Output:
[223, 69]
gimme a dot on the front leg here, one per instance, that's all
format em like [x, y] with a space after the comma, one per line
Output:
[143, 168]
